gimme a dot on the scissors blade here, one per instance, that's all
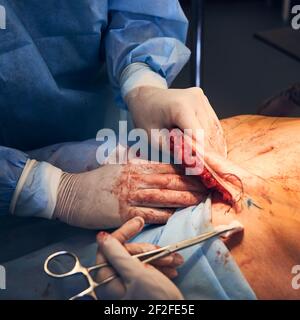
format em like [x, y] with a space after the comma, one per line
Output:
[198, 239]
[188, 243]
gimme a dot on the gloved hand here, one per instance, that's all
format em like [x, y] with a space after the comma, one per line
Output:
[112, 194]
[136, 280]
[157, 108]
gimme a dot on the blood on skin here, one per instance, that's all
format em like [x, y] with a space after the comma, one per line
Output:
[206, 177]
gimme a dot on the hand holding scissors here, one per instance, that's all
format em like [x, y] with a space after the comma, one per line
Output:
[121, 267]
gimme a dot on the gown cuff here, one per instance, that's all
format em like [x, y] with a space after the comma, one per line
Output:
[36, 191]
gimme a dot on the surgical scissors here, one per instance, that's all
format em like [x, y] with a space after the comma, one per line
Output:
[144, 257]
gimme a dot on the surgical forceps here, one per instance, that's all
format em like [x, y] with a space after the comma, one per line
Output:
[144, 257]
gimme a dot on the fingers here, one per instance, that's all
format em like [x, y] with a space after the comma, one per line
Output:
[137, 248]
[171, 273]
[147, 167]
[215, 136]
[151, 215]
[167, 181]
[173, 260]
[129, 229]
[118, 257]
[188, 121]
[164, 198]
[114, 289]
[166, 265]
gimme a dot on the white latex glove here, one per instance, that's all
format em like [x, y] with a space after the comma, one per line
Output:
[112, 194]
[137, 281]
[157, 108]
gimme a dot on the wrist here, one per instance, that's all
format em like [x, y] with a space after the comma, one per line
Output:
[66, 197]
[138, 75]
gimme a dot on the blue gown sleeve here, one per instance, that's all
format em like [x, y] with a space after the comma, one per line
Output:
[27, 187]
[150, 32]
[12, 163]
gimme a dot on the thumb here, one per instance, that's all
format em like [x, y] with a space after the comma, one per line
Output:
[117, 256]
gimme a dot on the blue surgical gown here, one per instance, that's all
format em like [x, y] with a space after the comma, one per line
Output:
[54, 59]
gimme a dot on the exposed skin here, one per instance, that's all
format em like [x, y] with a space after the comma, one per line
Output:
[268, 150]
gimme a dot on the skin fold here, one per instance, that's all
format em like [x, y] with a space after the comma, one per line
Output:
[263, 152]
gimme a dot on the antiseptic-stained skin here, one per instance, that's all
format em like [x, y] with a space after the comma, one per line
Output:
[264, 153]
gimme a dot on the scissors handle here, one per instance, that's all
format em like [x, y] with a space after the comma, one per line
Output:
[99, 266]
[76, 268]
